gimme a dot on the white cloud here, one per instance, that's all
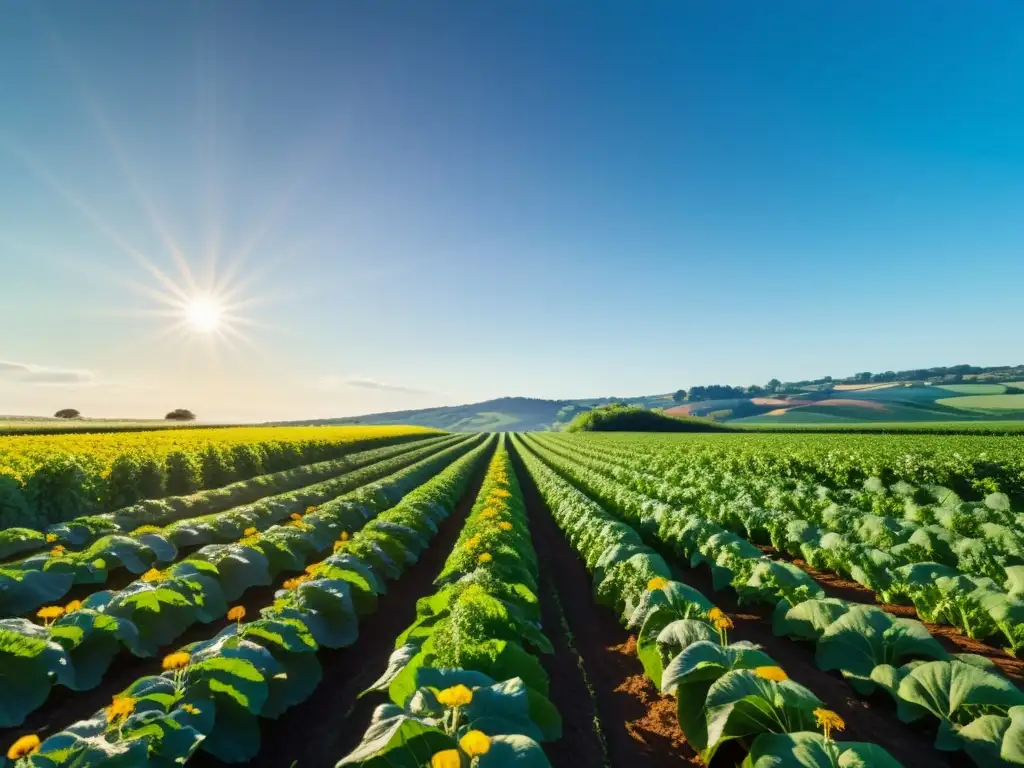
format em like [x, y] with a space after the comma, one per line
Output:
[27, 373]
[333, 383]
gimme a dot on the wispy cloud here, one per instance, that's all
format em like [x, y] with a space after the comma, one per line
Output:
[27, 373]
[331, 383]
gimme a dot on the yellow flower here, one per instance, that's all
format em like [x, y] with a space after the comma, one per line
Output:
[723, 622]
[153, 575]
[237, 613]
[191, 709]
[314, 569]
[250, 532]
[344, 536]
[24, 747]
[715, 614]
[73, 606]
[501, 493]
[50, 612]
[176, 661]
[505, 526]
[456, 696]
[658, 582]
[484, 558]
[51, 537]
[295, 516]
[294, 583]
[338, 545]
[775, 674]
[57, 551]
[475, 743]
[487, 514]
[829, 721]
[450, 758]
[473, 541]
[120, 708]
[310, 509]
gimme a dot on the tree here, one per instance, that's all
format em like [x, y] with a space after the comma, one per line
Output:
[67, 413]
[773, 385]
[181, 414]
[863, 377]
[679, 396]
[755, 390]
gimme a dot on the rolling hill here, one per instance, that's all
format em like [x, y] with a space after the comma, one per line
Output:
[839, 403]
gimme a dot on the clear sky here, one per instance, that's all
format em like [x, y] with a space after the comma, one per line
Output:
[409, 204]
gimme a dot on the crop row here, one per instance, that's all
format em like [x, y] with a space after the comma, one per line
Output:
[972, 466]
[76, 644]
[52, 478]
[210, 694]
[84, 529]
[975, 708]
[724, 691]
[960, 563]
[464, 681]
[42, 578]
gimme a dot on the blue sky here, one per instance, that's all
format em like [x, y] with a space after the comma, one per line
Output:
[432, 203]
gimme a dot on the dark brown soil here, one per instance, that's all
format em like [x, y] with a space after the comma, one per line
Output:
[632, 714]
[331, 723]
[951, 638]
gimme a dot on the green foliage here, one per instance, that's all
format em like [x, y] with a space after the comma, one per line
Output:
[627, 418]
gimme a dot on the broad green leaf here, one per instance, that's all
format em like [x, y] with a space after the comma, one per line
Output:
[397, 740]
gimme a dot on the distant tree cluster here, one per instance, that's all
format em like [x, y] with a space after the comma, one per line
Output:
[181, 414]
[68, 413]
[948, 374]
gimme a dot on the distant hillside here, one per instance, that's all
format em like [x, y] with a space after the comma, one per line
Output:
[957, 394]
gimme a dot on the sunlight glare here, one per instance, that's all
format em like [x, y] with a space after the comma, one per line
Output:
[203, 314]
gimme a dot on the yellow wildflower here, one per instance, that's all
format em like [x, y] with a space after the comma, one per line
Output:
[314, 569]
[658, 582]
[153, 575]
[176, 661]
[50, 612]
[456, 696]
[191, 709]
[449, 758]
[237, 613]
[723, 622]
[295, 516]
[51, 537]
[57, 551]
[344, 536]
[310, 509]
[475, 743]
[25, 746]
[829, 721]
[715, 614]
[505, 525]
[120, 708]
[338, 545]
[250, 531]
[484, 558]
[501, 493]
[73, 606]
[775, 674]
[294, 583]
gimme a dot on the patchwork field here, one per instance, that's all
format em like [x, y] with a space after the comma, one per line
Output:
[598, 599]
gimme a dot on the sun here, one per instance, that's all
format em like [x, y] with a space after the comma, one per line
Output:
[203, 314]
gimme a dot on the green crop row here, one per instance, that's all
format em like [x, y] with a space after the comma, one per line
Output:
[464, 687]
[42, 578]
[974, 706]
[724, 691]
[52, 478]
[74, 647]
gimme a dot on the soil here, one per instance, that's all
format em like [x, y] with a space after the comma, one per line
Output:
[951, 638]
[638, 724]
[303, 739]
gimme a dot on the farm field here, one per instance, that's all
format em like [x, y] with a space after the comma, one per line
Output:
[535, 599]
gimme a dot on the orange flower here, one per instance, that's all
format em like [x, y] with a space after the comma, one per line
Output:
[23, 747]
